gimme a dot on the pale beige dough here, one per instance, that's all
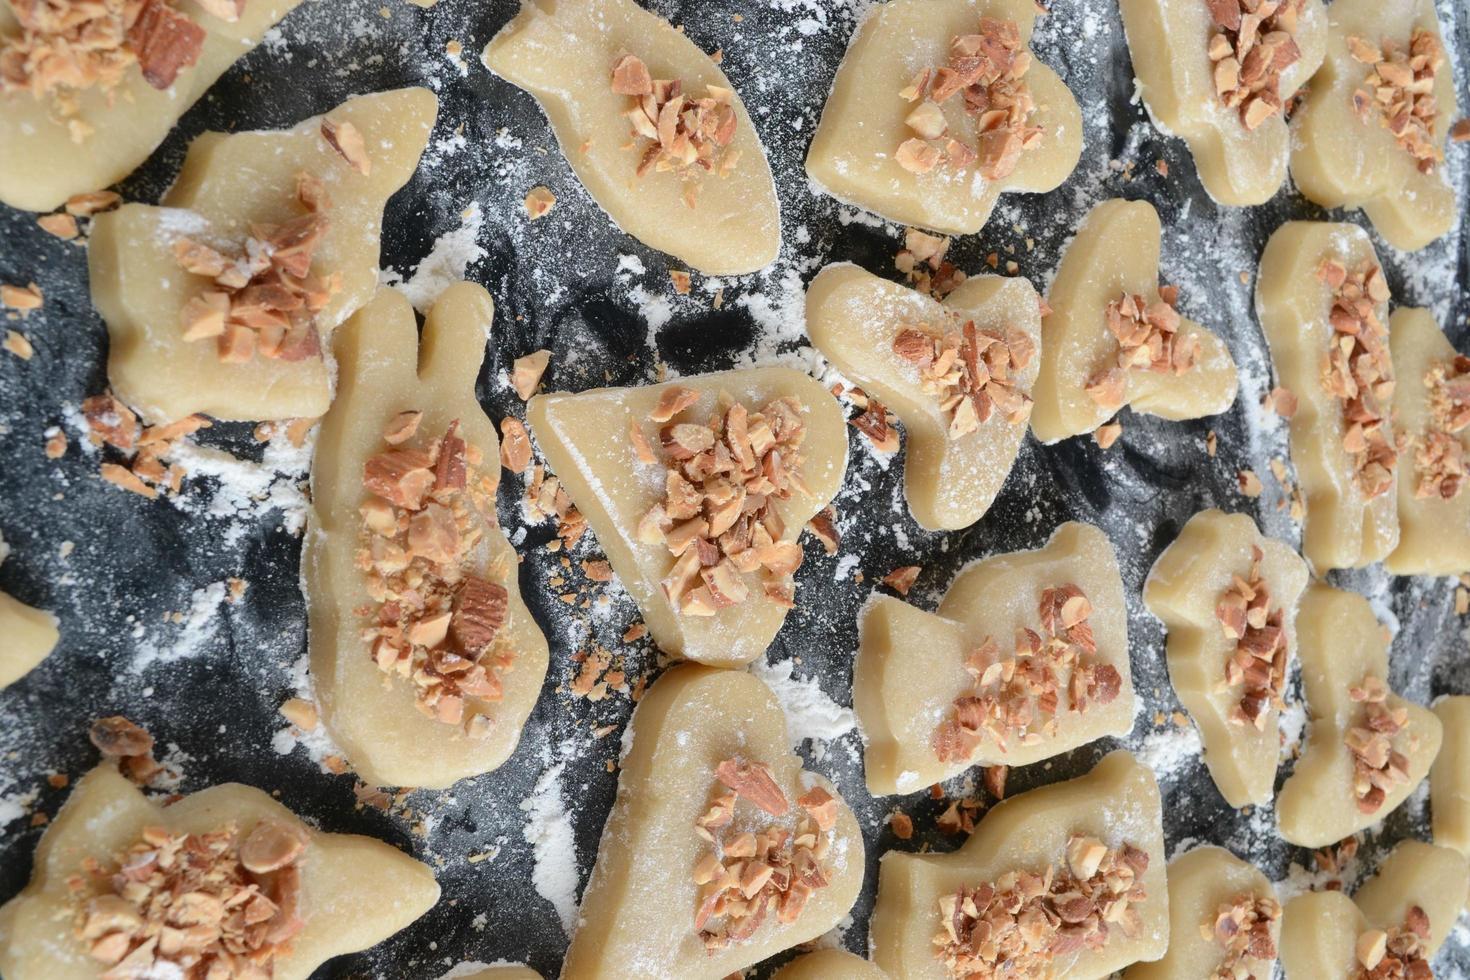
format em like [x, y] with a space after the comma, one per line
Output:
[638, 910]
[1341, 161]
[853, 316]
[1342, 528]
[911, 664]
[383, 369]
[1168, 41]
[227, 182]
[585, 438]
[563, 53]
[852, 154]
[1449, 777]
[1116, 250]
[829, 964]
[1183, 589]
[40, 165]
[1201, 881]
[502, 973]
[1341, 641]
[1320, 930]
[1117, 802]
[30, 636]
[1434, 533]
[355, 891]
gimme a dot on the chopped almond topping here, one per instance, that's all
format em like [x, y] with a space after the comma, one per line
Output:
[347, 140]
[1252, 43]
[1018, 925]
[876, 423]
[1401, 953]
[129, 745]
[1243, 927]
[1258, 662]
[1399, 90]
[902, 824]
[900, 580]
[1020, 696]
[515, 445]
[144, 449]
[525, 374]
[971, 372]
[1357, 370]
[922, 262]
[1148, 340]
[675, 132]
[1377, 766]
[539, 202]
[1439, 457]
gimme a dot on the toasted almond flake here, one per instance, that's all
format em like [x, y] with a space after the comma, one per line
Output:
[347, 140]
[902, 579]
[62, 225]
[1108, 433]
[93, 202]
[18, 345]
[23, 298]
[515, 445]
[301, 713]
[1399, 90]
[123, 477]
[1250, 484]
[1460, 131]
[527, 371]
[681, 281]
[539, 202]
[56, 444]
[903, 825]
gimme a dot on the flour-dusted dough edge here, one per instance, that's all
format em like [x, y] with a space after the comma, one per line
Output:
[30, 636]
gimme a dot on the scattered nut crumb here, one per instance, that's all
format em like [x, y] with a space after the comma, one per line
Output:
[539, 202]
[902, 579]
[526, 374]
[61, 224]
[515, 445]
[1108, 433]
[681, 281]
[1250, 484]
[23, 298]
[17, 344]
[345, 138]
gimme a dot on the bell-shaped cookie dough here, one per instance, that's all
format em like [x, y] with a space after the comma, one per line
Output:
[387, 699]
[715, 210]
[1350, 518]
[1102, 349]
[30, 635]
[612, 449]
[937, 694]
[704, 741]
[1104, 827]
[1367, 748]
[878, 105]
[1344, 154]
[1228, 595]
[829, 964]
[69, 141]
[1223, 919]
[1449, 777]
[915, 355]
[354, 891]
[1224, 101]
[1432, 414]
[1328, 936]
[231, 185]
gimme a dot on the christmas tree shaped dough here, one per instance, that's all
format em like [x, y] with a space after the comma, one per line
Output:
[1341, 159]
[1320, 931]
[1186, 589]
[1116, 804]
[30, 635]
[638, 910]
[1433, 499]
[355, 891]
[40, 163]
[588, 444]
[829, 964]
[1116, 252]
[912, 666]
[385, 369]
[1344, 528]
[1202, 883]
[1169, 41]
[854, 153]
[1343, 649]
[856, 319]
[228, 182]
[1449, 777]
[724, 222]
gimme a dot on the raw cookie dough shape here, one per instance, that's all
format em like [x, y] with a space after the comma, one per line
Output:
[1339, 160]
[41, 166]
[1342, 528]
[1449, 777]
[384, 368]
[1169, 44]
[1200, 883]
[1116, 250]
[638, 909]
[30, 635]
[1434, 530]
[355, 891]
[829, 964]
[1342, 643]
[586, 441]
[502, 973]
[563, 54]
[853, 318]
[1116, 803]
[911, 664]
[1320, 930]
[852, 155]
[1184, 590]
[227, 182]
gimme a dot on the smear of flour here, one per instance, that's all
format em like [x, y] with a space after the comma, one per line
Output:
[1172, 751]
[453, 252]
[549, 832]
[810, 713]
[191, 635]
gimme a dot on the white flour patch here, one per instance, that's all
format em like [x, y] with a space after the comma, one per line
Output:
[549, 832]
[810, 714]
[192, 635]
[1171, 752]
[453, 252]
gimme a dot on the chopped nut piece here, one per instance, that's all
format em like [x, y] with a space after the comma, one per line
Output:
[56, 444]
[1108, 433]
[824, 526]
[515, 445]
[1283, 402]
[681, 281]
[903, 826]
[994, 778]
[1250, 484]
[1399, 90]
[347, 140]
[164, 41]
[401, 427]
[902, 579]
[1357, 370]
[877, 424]
[1377, 766]
[1243, 928]
[689, 135]
[18, 345]
[1250, 46]
[23, 298]
[93, 202]
[539, 202]
[62, 225]
[1148, 340]
[526, 373]
[753, 782]
[301, 713]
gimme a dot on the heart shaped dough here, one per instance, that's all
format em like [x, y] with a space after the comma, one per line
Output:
[354, 891]
[1105, 827]
[394, 713]
[718, 213]
[1230, 647]
[641, 511]
[856, 157]
[929, 689]
[695, 727]
[230, 186]
[913, 353]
